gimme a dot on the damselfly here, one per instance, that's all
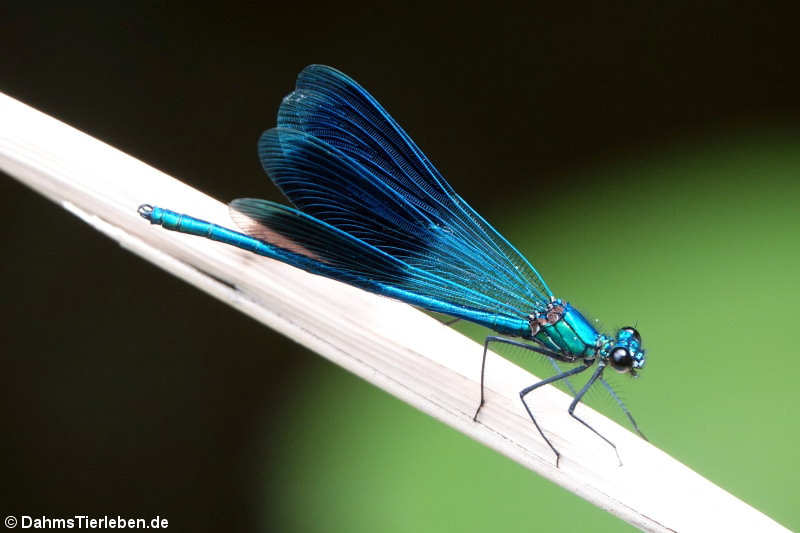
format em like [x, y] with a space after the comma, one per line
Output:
[371, 210]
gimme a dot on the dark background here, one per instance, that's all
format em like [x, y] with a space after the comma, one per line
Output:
[128, 392]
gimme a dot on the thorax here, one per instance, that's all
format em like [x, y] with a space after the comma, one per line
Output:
[562, 328]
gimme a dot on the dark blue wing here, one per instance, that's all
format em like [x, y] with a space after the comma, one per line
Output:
[372, 212]
[392, 196]
[320, 248]
[333, 108]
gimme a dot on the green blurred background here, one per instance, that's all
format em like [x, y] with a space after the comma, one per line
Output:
[645, 160]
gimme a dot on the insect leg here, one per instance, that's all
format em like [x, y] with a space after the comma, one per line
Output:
[491, 338]
[622, 406]
[526, 390]
[595, 376]
[558, 371]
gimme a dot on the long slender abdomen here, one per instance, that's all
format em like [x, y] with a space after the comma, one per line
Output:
[194, 226]
[299, 256]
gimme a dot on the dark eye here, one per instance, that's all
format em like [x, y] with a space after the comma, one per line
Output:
[634, 333]
[621, 359]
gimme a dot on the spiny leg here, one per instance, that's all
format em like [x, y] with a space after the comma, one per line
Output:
[568, 382]
[491, 338]
[450, 322]
[526, 390]
[577, 400]
[622, 406]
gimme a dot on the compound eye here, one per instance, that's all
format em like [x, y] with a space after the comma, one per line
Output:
[634, 333]
[621, 359]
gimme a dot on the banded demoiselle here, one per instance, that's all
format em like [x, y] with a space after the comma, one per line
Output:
[371, 210]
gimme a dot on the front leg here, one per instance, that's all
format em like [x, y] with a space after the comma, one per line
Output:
[597, 375]
[623, 407]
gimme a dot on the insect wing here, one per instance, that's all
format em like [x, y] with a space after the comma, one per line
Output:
[320, 248]
[393, 197]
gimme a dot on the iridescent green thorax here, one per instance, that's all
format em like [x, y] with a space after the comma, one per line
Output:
[563, 329]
